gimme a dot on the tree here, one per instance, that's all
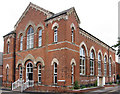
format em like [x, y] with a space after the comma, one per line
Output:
[117, 45]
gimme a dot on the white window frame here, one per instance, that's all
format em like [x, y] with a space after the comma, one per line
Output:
[39, 73]
[99, 64]
[20, 72]
[30, 38]
[30, 70]
[55, 34]
[110, 67]
[7, 74]
[82, 61]
[21, 43]
[40, 38]
[72, 74]
[55, 73]
[92, 61]
[8, 47]
[72, 35]
[105, 66]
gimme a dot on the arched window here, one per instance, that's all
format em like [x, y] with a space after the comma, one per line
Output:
[55, 73]
[30, 38]
[8, 47]
[21, 43]
[29, 71]
[55, 34]
[72, 75]
[72, 36]
[82, 61]
[91, 63]
[39, 74]
[105, 66]
[40, 38]
[7, 74]
[110, 66]
[20, 72]
[99, 64]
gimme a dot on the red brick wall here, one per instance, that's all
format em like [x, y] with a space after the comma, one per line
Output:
[47, 52]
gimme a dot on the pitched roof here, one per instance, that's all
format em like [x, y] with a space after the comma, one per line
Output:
[63, 12]
[33, 6]
[12, 32]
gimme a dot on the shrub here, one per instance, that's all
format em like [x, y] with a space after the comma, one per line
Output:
[83, 86]
[76, 86]
[110, 83]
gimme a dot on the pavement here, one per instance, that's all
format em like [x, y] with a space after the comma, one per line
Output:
[106, 90]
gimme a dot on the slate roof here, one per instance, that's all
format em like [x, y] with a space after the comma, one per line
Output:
[60, 13]
[12, 32]
[1, 59]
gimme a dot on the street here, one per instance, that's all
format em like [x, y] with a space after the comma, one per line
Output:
[106, 90]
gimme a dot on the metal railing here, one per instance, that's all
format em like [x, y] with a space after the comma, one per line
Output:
[17, 84]
[27, 84]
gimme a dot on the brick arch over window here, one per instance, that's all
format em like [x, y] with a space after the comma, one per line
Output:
[110, 57]
[55, 25]
[39, 59]
[73, 26]
[18, 63]
[105, 54]
[94, 51]
[40, 25]
[100, 52]
[28, 25]
[7, 66]
[82, 44]
[73, 62]
[29, 57]
[21, 33]
[55, 61]
[8, 41]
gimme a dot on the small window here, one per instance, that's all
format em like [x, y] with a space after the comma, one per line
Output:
[8, 47]
[39, 74]
[72, 74]
[20, 72]
[55, 34]
[72, 35]
[21, 43]
[55, 73]
[40, 38]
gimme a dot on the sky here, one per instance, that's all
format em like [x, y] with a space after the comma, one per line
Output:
[98, 17]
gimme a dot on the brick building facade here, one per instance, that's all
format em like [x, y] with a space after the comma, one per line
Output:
[53, 50]
[1, 67]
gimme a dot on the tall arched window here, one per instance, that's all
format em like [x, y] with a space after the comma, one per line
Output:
[99, 64]
[21, 43]
[39, 74]
[29, 71]
[91, 63]
[30, 38]
[55, 34]
[55, 73]
[110, 66]
[40, 38]
[20, 72]
[105, 66]
[7, 74]
[72, 73]
[72, 36]
[8, 47]
[82, 61]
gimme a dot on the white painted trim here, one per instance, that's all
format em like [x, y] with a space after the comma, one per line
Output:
[92, 47]
[73, 26]
[73, 62]
[99, 51]
[55, 60]
[55, 24]
[83, 44]
[39, 59]
[8, 40]
[7, 66]
[105, 54]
